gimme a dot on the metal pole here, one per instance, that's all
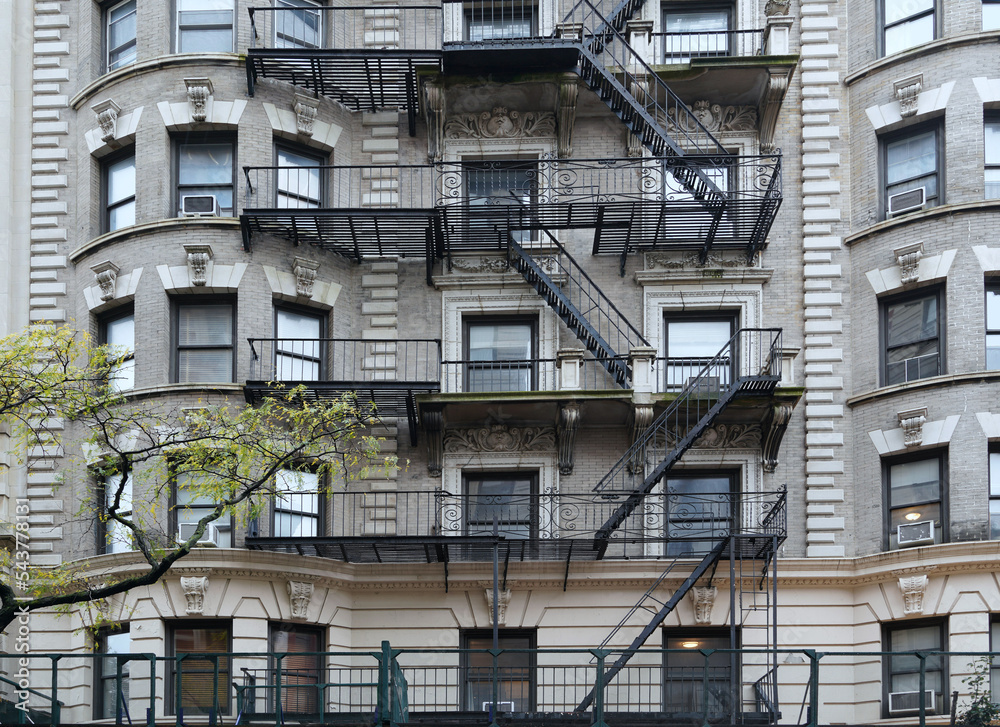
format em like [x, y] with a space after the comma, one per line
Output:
[496, 582]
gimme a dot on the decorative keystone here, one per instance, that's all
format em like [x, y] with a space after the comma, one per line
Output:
[305, 276]
[501, 606]
[907, 92]
[299, 594]
[107, 116]
[306, 110]
[912, 421]
[194, 588]
[908, 258]
[199, 91]
[704, 602]
[198, 257]
[913, 588]
[106, 273]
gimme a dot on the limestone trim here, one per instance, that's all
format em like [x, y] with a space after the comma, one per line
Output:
[988, 257]
[124, 287]
[913, 588]
[914, 218]
[988, 89]
[100, 144]
[285, 124]
[928, 269]
[703, 601]
[194, 588]
[925, 49]
[933, 434]
[284, 287]
[218, 278]
[990, 424]
[168, 224]
[907, 110]
[745, 299]
[930, 382]
[218, 115]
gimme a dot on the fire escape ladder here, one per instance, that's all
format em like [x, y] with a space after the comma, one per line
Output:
[581, 305]
[710, 559]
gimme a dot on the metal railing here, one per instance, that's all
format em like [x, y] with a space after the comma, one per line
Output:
[344, 360]
[341, 187]
[362, 27]
[391, 684]
[682, 47]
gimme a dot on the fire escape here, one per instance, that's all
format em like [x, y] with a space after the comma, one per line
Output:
[686, 193]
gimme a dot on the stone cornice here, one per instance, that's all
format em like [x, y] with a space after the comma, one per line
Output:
[931, 382]
[934, 46]
[169, 224]
[945, 210]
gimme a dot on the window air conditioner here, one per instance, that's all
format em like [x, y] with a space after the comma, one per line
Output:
[915, 533]
[501, 706]
[906, 702]
[200, 205]
[209, 539]
[908, 201]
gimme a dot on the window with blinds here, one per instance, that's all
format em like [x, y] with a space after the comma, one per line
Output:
[301, 666]
[203, 690]
[204, 341]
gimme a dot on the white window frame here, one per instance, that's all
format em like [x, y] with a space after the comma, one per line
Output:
[177, 29]
[108, 66]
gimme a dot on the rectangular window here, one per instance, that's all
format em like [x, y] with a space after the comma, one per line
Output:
[991, 14]
[498, 21]
[994, 665]
[507, 498]
[902, 671]
[693, 341]
[111, 690]
[915, 504]
[992, 146]
[912, 170]
[912, 338]
[905, 24]
[300, 669]
[515, 667]
[995, 494]
[695, 32]
[696, 684]
[500, 354]
[116, 537]
[203, 689]
[205, 167]
[503, 183]
[297, 505]
[120, 35]
[118, 176]
[117, 332]
[297, 24]
[300, 346]
[698, 511]
[299, 179]
[205, 26]
[993, 327]
[189, 507]
[204, 332]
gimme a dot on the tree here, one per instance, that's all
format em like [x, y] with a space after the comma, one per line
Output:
[981, 709]
[53, 379]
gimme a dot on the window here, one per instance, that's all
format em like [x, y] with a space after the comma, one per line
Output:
[189, 507]
[698, 511]
[199, 693]
[205, 26]
[497, 21]
[992, 134]
[500, 354]
[516, 677]
[300, 670]
[120, 35]
[111, 693]
[299, 180]
[912, 338]
[117, 332]
[914, 487]
[905, 24]
[297, 505]
[115, 537]
[692, 682]
[994, 665]
[902, 672]
[991, 14]
[203, 331]
[300, 346]
[297, 24]
[205, 167]
[993, 327]
[692, 32]
[693, 341]
[119, 193]
[509, 498]
[911, 160]
[503, 183]
[995, 498]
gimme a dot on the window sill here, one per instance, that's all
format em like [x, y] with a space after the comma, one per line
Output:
[165, 225]
[987, 36]
[939, 211]
[153, 65]
[931, 382]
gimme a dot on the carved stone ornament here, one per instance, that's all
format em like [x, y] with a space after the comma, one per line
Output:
[908, 258]
[774, 425]
[913, 588]
[642, 417]
[305, 276]
[912, 421]
[299, 593]
[199, 90]
[569, 92]
[704, 602]
[907, 92]
[306, 110]
[500, 438]
[433, 430]
[777, 7]
[504, 601]
[198, 257]
[569, 422]
[434, 110]
[194, 588]
[500, 124]
[714, 117]
[481, 264]
[106, 273]
[107, 117]
[724, 436]
[714, 259]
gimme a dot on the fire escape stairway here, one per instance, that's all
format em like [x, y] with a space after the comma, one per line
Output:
[582, 306]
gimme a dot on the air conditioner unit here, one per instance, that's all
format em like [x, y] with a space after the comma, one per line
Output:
[200, 205]
[501, 706]
[908, 702]
[209, 539]
[915, 533]
[908, 201]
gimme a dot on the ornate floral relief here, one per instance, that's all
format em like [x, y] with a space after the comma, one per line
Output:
[500, 124]
[107, 118]
[907, 92]
[503, 602]
[704, 602]
[299, 594]
[724, 436]
[306, 110]
[106, 273]
[199, 91]
[912, 422]
[198, 257]
[714, 117]
[480, 264]
[908, 259]
[500, 438]
[913, 588]
[670, 261]
[305, 276]
[194, 588]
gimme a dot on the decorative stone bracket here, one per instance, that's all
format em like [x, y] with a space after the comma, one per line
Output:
[908, 259]
[569, 92]
[106, 273]
[107, 117]
[434, 432]
[504, 601]
[704, 601]
[642, 417]
[907, 92]
[194, 588]
[913, 588]
[774, 425]
[198, 258]
[912, 422]
[199, 93]
[305, 276]
[566, 428]
[306, 110]
[434, 110]
[300, 593]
